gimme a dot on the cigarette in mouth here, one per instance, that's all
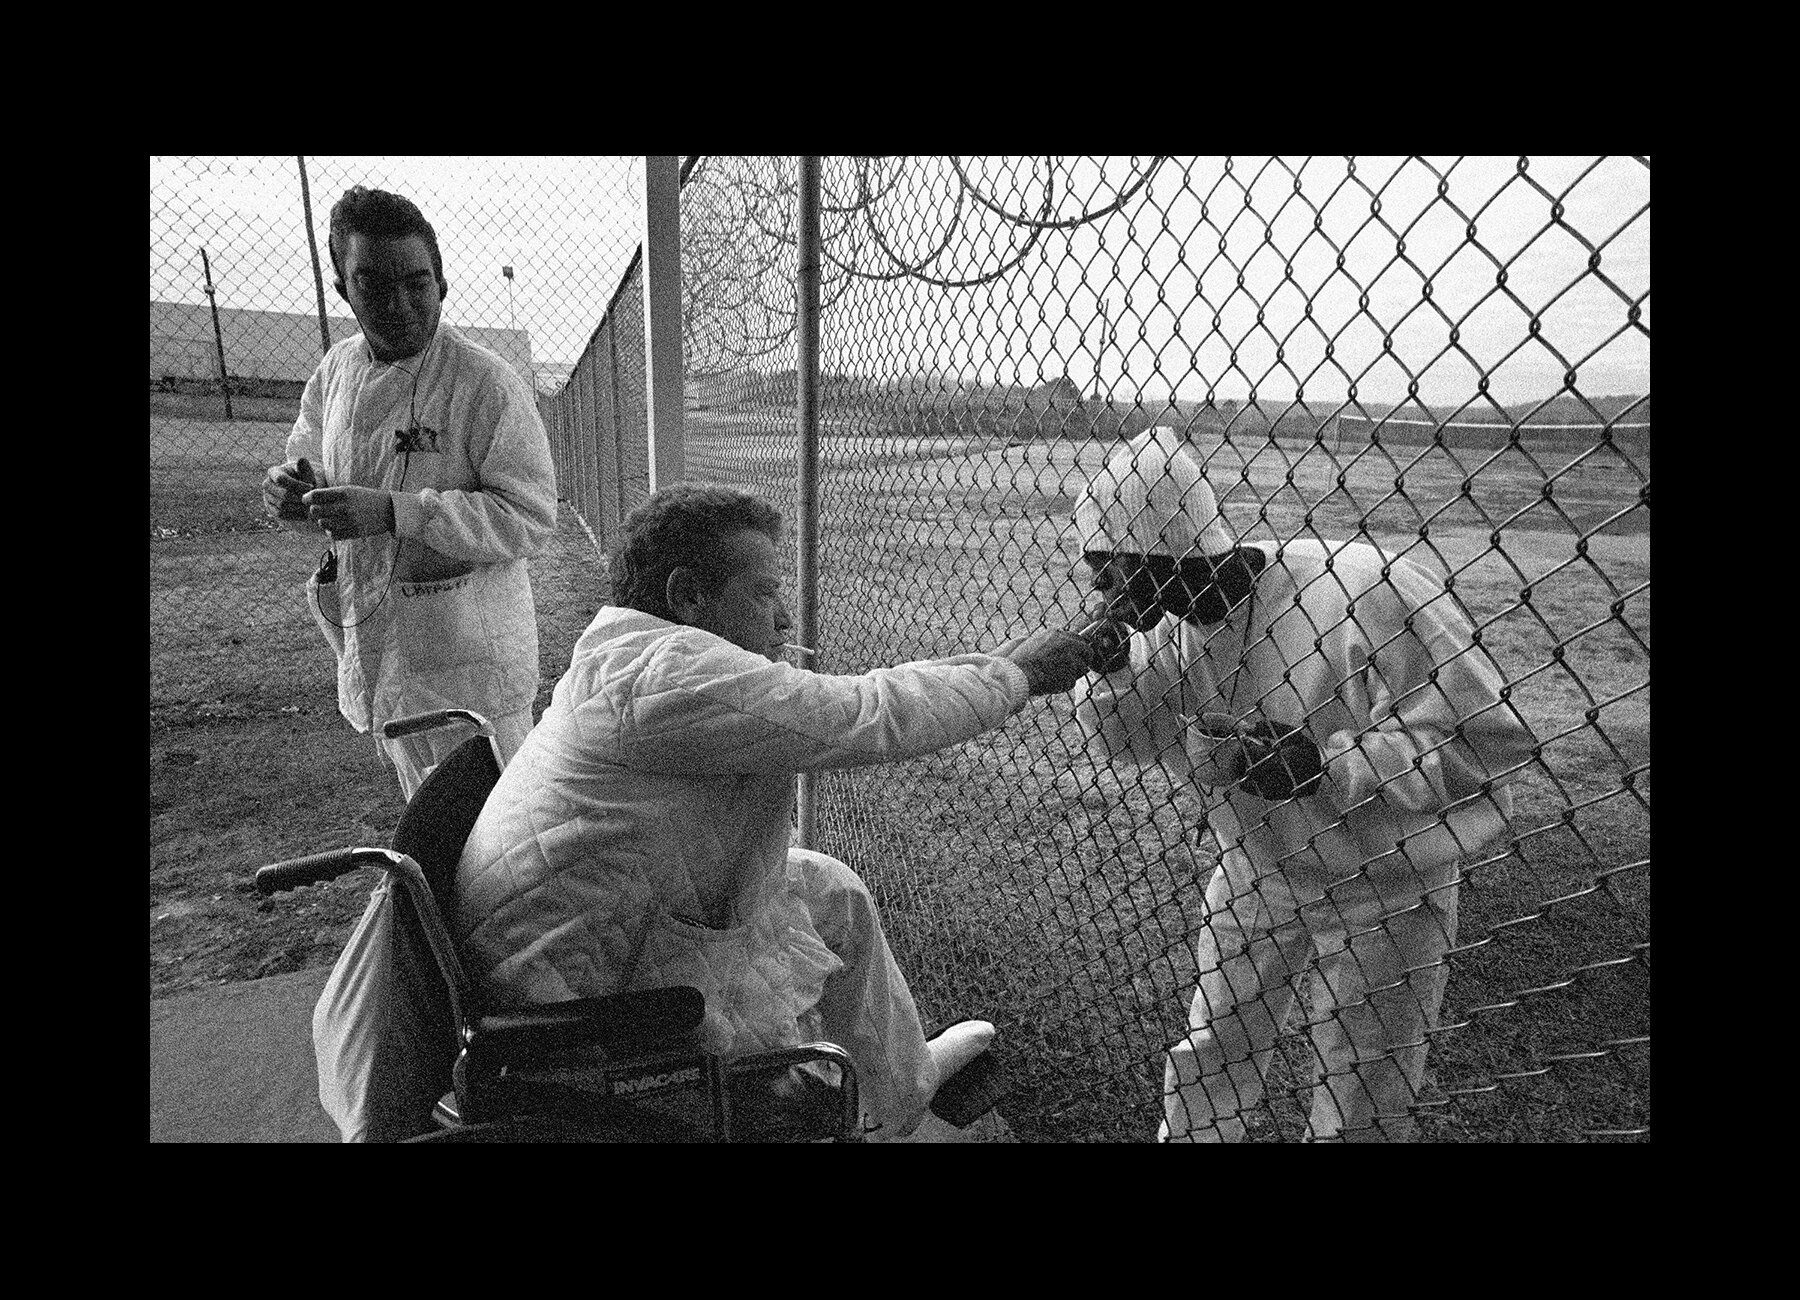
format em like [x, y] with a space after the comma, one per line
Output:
[805, 650]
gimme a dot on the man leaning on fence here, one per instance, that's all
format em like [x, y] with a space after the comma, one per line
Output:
[421, 455]
[1352, 743]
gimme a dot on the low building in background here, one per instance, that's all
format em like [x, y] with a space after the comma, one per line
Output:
[273, 351]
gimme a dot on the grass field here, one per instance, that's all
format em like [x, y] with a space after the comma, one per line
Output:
[1057, 896]
[1019, 879]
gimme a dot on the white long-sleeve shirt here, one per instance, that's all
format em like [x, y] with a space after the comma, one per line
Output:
[439, 612]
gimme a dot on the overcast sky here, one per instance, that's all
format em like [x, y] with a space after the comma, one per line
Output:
[1123, 304]
[1161, 294]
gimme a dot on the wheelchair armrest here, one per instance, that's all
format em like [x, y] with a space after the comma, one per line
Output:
[647, 1020]
[435, 718]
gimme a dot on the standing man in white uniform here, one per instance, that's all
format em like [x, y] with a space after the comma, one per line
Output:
[423, 458]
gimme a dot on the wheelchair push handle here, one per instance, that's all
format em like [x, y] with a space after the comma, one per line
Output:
[417, 722]
[313, 868]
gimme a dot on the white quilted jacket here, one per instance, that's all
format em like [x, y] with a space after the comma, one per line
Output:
[640, 837]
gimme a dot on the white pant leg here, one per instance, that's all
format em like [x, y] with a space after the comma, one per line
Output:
[413, 757]
[1249, 952]
[1377, 994]
[867, 1007]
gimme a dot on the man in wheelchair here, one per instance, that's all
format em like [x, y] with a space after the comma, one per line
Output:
[641, 836]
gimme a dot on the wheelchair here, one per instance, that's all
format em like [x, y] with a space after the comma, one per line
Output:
[623, 1068]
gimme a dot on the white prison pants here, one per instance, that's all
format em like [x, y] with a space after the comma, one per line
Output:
[413, 757]
[1377, 985]
[867, 1008]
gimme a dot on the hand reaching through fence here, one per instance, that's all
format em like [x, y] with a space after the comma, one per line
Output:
[1053, 660]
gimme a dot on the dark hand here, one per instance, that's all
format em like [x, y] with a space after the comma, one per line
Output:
[1053, 661]
[1280, 762]
[284, 485]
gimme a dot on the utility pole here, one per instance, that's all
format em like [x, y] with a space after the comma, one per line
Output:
[513, 320]
[312, 244]
[218, 335]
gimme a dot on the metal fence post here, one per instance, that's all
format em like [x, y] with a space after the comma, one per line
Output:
[806, 375]
[662, 316]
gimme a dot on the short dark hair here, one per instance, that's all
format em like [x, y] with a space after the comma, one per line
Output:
[376, 214]
[683, 526]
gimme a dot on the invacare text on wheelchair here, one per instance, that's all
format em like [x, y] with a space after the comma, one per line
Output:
[409, 1049]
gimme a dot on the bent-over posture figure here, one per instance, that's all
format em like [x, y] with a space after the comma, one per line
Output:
[1352, 743]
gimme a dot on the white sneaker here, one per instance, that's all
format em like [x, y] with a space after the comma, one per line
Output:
[956, 1046]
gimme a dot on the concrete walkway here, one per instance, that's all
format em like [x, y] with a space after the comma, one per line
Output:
[234, 1063]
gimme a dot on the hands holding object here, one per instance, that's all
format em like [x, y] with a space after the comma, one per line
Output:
[292, 492]
[284, 489]
[1269, 760]
[346, 512]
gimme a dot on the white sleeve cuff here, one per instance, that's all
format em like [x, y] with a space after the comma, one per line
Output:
[1016, 682]
[409, 514]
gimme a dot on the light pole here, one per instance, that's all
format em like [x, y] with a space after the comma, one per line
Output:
[513, 321]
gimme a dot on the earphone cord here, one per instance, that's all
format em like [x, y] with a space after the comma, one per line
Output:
[329, 556]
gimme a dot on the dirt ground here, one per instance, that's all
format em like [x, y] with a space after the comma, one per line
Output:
[209, 834]
[259, 766]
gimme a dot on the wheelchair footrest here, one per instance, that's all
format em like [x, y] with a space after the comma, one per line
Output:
[971, 1092]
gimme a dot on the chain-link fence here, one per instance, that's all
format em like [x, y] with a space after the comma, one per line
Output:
[1445, 357]
[598, 421]
[1448, 358]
